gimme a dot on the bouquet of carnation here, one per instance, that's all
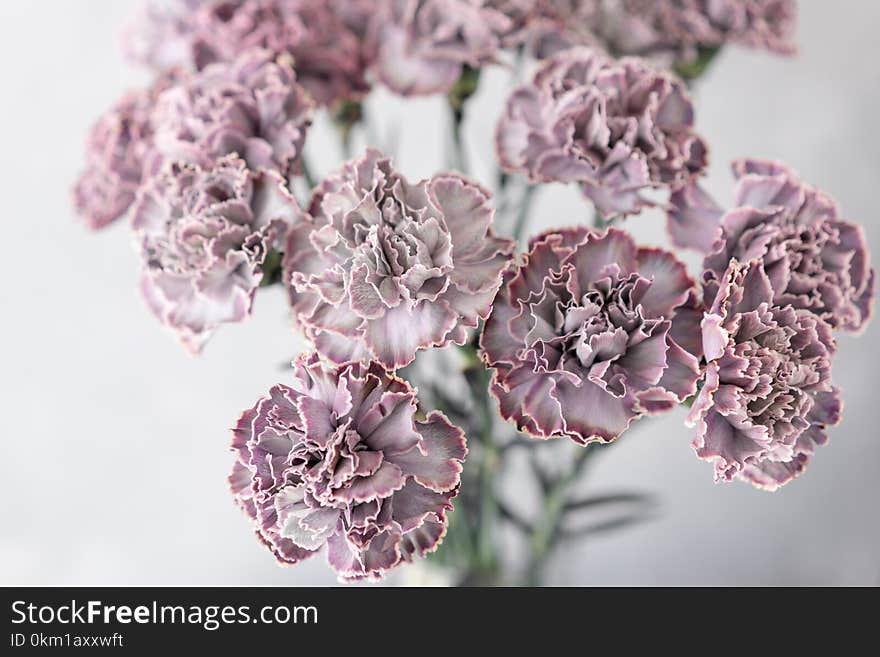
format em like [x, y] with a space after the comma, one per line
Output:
[446, 341]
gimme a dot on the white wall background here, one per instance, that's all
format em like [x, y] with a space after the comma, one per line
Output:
[114, 442]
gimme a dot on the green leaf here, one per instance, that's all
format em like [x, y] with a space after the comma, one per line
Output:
[593, 501]
[604, 526]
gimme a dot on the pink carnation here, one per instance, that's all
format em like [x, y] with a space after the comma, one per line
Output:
[674, 29]
[325, 38]
[547, 27]
[617, 128]
[252, 106]
[203, 235]
[422, 46]
[339, 459]
[815, 259]
[387, 267]
[589, 333]
[767, 398]
[119, 154]
[663, 30]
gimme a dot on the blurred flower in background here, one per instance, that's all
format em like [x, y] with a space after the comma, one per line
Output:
[204, 236]
[615, 127]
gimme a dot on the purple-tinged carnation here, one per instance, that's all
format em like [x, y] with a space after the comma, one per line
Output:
[162, 36]
[616, 128]
[119, 154]
[666, 31]
[339, 459]
[692, 218]
[675, 29]
[388, 267]
[589, 333]
[203, 235]
[252, 106]
[767, 398]
[814, 258]
[420, 47]
[546, 27]
[519, 14]
[325, 38]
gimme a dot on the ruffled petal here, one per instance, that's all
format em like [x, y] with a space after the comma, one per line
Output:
[338, 459]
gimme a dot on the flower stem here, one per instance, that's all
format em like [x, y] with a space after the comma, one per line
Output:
[546, 530]
[689, 71]
[471, 543]
[459, 154]
[306, 172]
[457, 98]
[525, 207]
[487, 544]
[503, 179]
[486, 556]
[346, 115]
[271, 268]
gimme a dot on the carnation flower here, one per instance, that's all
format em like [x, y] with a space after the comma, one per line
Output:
[547, 27]
[339, 459]
[203, 235]
[674, 29]
[387, 267]
[815, 259]
[118, 156]
[692, 218]
[767, 398]
[664, 30]
[614, 127]
[588, 333]
[356, 15]
[162, 36]
[519, 14]
[320, 35]
[421, 46]
[252, 106]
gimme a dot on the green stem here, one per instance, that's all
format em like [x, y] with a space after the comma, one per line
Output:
[487, 548]
[503, 179]
[516, 73]
[486, 556]
[471, 542]
[525, 207]
[689, 71]
[462, 90]
[546, 531]
[346, 115]
[306, 173]
[271, 268]
[345, 144]
[459, 153]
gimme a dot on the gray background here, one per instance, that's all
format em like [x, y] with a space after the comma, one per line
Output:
[114, 441]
